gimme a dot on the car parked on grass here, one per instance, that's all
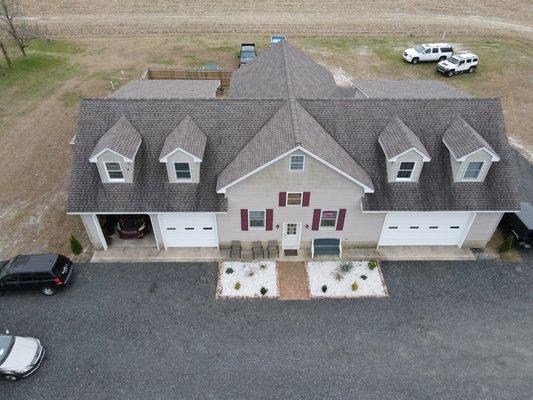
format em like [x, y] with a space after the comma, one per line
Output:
[133, 226]
[247, 53]
[428, 52]
[211, 67]
[45, 272]
[19, 356]
[458, 64]
[274, 39]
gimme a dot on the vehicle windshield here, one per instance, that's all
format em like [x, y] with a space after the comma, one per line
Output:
[6, 342]
[420, 48]
[247, 54]
[453, 60]
[5, 269]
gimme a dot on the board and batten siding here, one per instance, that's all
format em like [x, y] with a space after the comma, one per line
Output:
[180, 157]
[328, 191]
[482, 229]
[108, 156]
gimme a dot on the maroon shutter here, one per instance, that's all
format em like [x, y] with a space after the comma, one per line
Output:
[269, 219]
[306, 198]
[316, 219]
[244, 219]
[282, 199]
[340, 219]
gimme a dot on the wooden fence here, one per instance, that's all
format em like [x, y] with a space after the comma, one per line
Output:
[223, 76]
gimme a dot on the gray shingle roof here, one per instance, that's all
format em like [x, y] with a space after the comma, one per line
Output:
[462, 140]
[266, 76]
[167, 89]
[356, 125]
[407, 89]
[397, 138]
[188, 137]
[122, 138]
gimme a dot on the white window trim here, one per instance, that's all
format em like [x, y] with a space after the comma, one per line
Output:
[294, 205]
[329, 228]
[477, 179]
[303, 163]
[257, 228]
[176, 172]
[123, 179]
[412, 172]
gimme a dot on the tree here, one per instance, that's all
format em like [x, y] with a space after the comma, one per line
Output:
[14, 23]
[75, 245]
[6, 56]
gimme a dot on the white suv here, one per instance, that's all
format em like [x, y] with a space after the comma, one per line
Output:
[428, 52]
[458, 64]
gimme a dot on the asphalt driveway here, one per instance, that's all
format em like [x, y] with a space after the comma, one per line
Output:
[155, 331]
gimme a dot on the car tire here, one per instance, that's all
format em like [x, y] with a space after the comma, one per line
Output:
[414, 60]
[450, 73]
[471, 69]
[48, 291]
[442, 58]
[10, 378]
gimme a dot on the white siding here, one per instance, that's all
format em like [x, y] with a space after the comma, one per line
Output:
[108, 156]
[180, 157]
[459, 167]
[482, 229]
[410, 156]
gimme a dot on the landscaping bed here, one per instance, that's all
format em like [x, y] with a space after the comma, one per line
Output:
[345, 279]
[247, 279]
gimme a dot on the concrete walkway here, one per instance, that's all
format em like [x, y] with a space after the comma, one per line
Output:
[392, 253]
[292, 281]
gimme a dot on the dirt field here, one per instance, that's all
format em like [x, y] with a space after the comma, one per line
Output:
[39, 99]
[304, 17]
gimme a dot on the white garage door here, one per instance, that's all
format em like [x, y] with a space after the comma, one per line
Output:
[189, 230]
[424, 228]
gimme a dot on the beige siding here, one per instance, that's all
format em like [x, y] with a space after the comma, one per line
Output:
[410, 156]
[482, 229]
[108, 156]
[180, 157]
[459, 167]
[329, 191]
[94, 231]
[156, 228]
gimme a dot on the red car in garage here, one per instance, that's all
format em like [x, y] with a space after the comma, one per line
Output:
[133, 226]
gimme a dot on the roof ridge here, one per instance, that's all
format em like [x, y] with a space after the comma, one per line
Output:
[291, 98]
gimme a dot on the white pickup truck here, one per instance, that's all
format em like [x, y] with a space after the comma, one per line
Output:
[458, 64]
[428, 52]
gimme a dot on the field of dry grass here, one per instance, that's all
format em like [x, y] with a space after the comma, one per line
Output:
[39, 99]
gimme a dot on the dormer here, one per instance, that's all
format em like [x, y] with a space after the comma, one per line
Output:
[114, 154]
[470, 155]
[404, 152]
[183, 152]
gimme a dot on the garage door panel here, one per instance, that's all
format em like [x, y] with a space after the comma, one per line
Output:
[189, 230]
[424, 229]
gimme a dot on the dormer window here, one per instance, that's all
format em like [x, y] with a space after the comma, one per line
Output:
[183, 171]
[405, 171]
[472, 171]
[114, 172]
[296, 163]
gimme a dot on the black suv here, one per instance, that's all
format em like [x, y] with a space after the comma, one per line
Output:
[45, 272]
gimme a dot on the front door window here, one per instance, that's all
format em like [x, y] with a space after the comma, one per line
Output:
[291, 235]
[292, 229]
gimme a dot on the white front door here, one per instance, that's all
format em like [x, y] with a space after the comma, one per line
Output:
[189, 230]
[291, 235]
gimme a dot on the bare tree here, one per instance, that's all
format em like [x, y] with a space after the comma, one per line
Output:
[13, 22]
[6, 56]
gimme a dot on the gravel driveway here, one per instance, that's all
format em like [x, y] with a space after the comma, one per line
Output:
[448, 330]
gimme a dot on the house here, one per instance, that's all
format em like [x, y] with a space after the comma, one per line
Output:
[290, 157]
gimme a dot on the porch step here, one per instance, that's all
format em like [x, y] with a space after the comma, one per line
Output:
[293, 284]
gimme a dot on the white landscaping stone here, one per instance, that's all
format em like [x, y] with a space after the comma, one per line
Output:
[250, 285]
[323, 273]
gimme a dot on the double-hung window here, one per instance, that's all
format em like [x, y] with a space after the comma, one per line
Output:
[328, 219]
[256, 220]
[405, 171]
[183, 171]
[296, 163]
[114, 172]
[294, 198]
[473, 170]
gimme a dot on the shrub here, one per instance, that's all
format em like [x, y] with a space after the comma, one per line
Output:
[229, 271]
[372, 264]
[75, 245]
[355, 286]
[507, 244]
[237, 286]
[263, 266]
[264, 290]
[324, 288]
[346, 267]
